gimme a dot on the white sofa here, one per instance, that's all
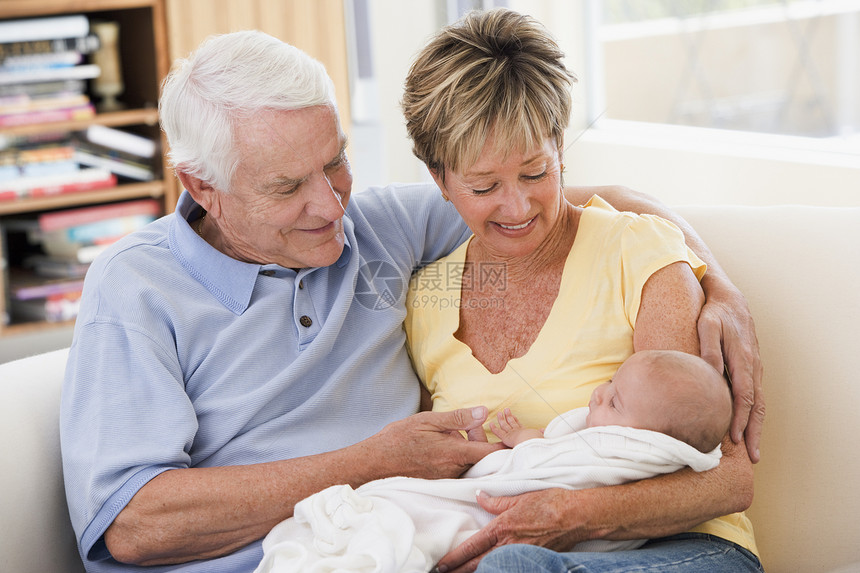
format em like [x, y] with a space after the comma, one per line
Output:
[800, 269]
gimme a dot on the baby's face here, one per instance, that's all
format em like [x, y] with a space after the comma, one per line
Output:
[624, 400]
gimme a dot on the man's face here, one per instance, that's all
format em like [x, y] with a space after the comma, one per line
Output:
[289, 192]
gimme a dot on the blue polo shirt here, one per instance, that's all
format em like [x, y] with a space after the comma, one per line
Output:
[184, 357]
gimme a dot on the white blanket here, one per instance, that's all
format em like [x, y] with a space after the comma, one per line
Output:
[405, 524]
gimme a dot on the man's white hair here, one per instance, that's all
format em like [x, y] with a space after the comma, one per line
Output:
[228, 78]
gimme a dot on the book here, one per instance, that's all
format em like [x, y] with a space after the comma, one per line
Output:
[120, 167]
[88, 253]
[43, 289]
[54, 220]
[37, 161]
[34, 29]
[96, 149]
[32, 297]
[23, 103]
[41, 186]
[82, 44]
[54, 308]
[84, 180]
[100, 232]
[121, 140]
[8, 142]
[42, 89]
[33, 75]
[85, 111]
[84, 243]
[56, 267]
[75, 253]
[48, 60]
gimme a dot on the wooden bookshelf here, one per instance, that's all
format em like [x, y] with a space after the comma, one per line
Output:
[145, 60]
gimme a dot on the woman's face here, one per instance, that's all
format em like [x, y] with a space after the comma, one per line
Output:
[510, 203]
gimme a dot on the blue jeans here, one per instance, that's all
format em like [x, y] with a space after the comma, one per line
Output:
[683, 553]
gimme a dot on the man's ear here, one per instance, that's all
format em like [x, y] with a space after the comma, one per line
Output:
[202, 192]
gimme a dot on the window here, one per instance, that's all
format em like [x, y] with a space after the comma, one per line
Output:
[774, 66]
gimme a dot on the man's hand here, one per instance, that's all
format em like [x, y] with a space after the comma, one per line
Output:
[727, 337]
[535, 518]
[429, 444]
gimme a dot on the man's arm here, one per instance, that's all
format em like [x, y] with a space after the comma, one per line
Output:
[726, 329]
[202, 513]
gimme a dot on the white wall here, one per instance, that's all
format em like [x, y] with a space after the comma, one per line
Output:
[694, 166]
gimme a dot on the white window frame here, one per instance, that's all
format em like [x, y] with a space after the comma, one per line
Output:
[683, 165]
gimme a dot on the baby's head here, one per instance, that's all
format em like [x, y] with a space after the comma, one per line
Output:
[666, 391]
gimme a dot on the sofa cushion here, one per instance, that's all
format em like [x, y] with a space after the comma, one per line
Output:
[799, 268]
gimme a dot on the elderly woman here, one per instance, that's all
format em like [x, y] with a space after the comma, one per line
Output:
[546, 300]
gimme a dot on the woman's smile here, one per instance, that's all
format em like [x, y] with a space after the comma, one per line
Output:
[516, 229]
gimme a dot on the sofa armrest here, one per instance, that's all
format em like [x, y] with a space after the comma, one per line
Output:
[37, 533]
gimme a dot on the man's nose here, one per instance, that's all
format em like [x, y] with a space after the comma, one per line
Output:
[325, 202]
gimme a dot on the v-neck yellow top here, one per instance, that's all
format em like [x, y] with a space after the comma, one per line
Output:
[586, 337]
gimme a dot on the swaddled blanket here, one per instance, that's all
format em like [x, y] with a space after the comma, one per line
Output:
[405, 524]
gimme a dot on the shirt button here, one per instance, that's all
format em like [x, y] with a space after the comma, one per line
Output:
[306, 321]
[268, 273]
[301, 285]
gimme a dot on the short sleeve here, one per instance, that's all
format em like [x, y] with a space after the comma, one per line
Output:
[648, 244]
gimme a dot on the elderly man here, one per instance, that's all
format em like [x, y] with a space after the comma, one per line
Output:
[246, 351]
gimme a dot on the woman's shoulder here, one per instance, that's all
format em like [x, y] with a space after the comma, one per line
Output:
[601, 216]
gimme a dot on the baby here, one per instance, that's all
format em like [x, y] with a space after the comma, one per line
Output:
[665, 391]
[662, 411]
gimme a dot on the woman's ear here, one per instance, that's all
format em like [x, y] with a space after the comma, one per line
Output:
[202, 192]
[436, 174]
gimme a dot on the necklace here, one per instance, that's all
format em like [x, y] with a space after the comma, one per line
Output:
[199, 226]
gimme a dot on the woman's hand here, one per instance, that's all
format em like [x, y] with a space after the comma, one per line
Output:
[558, 518]
[727, 336]
[535, 518]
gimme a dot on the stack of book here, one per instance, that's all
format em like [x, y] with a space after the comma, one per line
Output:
[126, 155]
[47, 284]
[51, 164]
[43, 71]
[38, 166]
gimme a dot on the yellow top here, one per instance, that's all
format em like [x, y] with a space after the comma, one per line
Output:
[586, 337]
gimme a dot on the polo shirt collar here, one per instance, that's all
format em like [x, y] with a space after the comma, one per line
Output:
[229, 280]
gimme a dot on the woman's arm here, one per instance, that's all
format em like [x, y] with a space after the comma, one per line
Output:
[726, 328]
[664, 505]
[559, 519]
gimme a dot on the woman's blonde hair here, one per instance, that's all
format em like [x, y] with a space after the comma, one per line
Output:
[496, 71]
